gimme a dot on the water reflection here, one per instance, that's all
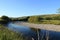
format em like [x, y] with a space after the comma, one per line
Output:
[53, 35]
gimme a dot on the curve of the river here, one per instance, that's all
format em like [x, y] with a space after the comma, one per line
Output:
[53, 35]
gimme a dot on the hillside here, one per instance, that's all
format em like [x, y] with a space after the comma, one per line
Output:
[41, 19]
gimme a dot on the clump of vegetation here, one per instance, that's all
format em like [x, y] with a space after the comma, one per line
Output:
[4, 19]
[34, 19]
[6, 34]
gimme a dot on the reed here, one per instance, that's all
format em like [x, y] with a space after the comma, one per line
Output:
[6, 34]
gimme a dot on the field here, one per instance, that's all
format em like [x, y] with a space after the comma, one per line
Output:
[56, 22]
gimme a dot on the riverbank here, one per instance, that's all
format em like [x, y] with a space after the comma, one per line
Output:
[6, 34]
[49, 27]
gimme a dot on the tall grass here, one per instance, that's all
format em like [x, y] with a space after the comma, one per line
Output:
[6, 34]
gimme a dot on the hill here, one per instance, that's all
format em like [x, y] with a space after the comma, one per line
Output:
[41, 19]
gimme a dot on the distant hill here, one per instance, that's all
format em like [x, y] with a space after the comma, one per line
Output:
[45, 19]
[41, 19]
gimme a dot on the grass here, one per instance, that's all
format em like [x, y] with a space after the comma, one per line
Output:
[6, 34]
[56, 22]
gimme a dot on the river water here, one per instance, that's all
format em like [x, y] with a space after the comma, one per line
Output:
[28, 32]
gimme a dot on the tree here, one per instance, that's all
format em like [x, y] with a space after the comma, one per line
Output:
[5, 19]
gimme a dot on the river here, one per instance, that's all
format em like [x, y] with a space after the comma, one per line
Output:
[28, 32]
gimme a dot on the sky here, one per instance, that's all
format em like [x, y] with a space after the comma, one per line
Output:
[18, 8]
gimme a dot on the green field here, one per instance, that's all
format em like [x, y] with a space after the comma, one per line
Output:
[56, 22]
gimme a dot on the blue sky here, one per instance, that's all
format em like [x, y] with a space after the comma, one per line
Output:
[16, 8]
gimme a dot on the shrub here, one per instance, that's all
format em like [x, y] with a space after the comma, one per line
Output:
[5, 19]
[34, 19]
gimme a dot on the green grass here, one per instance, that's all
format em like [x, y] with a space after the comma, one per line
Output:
[56, 22]
[6, 34]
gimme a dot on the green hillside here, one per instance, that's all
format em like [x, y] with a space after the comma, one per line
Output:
[45, 19]
[41, 19]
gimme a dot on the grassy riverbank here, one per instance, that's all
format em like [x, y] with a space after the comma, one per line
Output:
[6, 34]
[55, 22]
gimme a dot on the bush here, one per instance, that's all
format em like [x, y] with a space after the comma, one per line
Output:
[5, 19]
[34, 19]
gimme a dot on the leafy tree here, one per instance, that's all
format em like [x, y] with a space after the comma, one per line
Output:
[4, 20]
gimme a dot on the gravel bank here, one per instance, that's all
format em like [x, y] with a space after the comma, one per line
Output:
[50, 27]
